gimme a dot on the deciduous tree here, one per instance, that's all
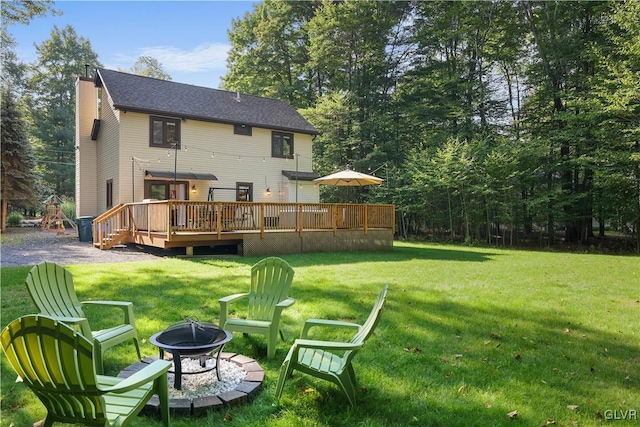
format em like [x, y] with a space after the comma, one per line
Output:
[52, 105]
[149, 66]
[488, 113]
[269, 53]
[23, 11]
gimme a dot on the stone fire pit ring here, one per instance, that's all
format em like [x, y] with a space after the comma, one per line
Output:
[191, 339]
[244, 392]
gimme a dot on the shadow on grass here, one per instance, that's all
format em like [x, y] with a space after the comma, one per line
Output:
[433, 360]
[468, 362]
[440, 373]
[400, 252]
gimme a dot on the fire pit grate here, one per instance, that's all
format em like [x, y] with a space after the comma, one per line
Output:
[191, 339]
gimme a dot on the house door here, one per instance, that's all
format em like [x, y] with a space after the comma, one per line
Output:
[179, 191]
[244, 192]
[166, 190]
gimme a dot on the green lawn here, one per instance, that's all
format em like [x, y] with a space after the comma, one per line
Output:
[468, 336]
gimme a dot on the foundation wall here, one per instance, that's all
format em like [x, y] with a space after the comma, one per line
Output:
[281, 243]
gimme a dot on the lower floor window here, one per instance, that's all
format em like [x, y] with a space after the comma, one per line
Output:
[109, 193]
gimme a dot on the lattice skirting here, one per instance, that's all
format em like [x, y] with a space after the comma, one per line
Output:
[284, 242]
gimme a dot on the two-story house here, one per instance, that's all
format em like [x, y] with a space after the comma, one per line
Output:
[172, 165]
[140, 138]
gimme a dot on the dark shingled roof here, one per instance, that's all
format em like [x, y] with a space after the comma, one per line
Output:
[148, 95]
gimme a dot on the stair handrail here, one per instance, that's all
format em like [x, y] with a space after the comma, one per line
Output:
[106, 242]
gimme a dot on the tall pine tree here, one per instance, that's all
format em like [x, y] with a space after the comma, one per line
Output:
[18, 160]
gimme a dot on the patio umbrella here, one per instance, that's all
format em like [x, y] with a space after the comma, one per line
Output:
[349, 178]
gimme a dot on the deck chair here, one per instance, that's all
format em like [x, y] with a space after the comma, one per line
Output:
[267, 297]
[330, 360]
[56, 362]
[51, 289]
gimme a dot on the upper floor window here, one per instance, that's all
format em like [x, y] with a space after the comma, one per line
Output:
[240, 129]
[282, 145]
[164, 132]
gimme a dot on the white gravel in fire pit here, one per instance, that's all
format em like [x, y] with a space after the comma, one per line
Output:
[206, 383]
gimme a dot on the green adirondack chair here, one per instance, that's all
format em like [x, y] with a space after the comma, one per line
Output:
[51, 289]
[330, 360]
[267, 297]
[56, 362]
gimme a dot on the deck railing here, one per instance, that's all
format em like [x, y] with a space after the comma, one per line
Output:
[183, 216]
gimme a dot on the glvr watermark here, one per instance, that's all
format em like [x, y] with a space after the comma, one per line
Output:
[621, 414]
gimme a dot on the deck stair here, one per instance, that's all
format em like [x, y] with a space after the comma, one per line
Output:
[112, 227]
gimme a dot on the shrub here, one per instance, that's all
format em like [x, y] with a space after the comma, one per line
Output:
[14, 219]
[69, 209]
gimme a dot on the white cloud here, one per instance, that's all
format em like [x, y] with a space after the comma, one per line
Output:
[202, 58]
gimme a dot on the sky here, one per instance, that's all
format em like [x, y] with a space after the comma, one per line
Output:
[189, 38]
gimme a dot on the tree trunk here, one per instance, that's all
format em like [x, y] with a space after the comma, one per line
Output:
[452, 234]
[3, 215]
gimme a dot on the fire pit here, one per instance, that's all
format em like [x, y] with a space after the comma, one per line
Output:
[191, 339]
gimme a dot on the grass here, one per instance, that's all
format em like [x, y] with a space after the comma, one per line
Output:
[468, 336]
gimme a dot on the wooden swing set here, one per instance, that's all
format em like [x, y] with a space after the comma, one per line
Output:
[54, 218]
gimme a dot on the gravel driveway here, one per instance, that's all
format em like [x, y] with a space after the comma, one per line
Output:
[29, 246]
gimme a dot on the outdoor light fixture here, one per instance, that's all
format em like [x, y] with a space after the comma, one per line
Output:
[268, 191]
[193, 188]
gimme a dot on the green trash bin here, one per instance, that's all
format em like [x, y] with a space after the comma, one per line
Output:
[85, 228]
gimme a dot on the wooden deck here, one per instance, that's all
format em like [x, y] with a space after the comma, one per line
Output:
[170, 224]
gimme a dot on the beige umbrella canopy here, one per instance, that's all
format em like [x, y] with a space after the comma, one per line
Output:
[349, 178]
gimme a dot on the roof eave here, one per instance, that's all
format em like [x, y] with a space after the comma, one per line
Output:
[126, 108]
